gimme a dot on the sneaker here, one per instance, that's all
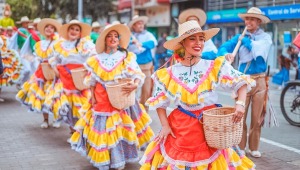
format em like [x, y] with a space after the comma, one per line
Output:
[56, 124]
[44, 125]
[69, 140]
[255, 154]
[1, 100]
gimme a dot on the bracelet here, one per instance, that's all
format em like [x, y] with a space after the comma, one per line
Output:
[240, 102]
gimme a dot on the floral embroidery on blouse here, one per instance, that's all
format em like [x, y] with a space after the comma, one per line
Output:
[195, 91]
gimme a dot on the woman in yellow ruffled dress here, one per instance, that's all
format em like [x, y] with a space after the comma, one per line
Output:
[108, 136]
[11, 65]
[70, 52]
[33, 91]
[190, 85]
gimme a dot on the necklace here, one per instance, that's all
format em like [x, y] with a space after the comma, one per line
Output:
[191, 65]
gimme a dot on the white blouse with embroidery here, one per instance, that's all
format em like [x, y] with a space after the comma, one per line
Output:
[65, 52]
[105, 68]
[194, 87]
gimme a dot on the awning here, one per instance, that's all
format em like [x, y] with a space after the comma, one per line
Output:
[163, 1]
[143, 4]
[122, 4]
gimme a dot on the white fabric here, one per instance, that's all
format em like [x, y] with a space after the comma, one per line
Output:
[74, 58]
[1, 42]
[209, 46]
[13, 42]
[26, 49]
[109, 61]
[141, 37]
[200, 70]
[261, 43]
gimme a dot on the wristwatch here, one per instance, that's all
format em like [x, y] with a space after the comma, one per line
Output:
[240, 102]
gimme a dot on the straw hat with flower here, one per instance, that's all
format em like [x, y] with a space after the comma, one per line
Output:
[256, 13]
[121, 29]
[137, 18]
[47, 21]
[85, 29]
[196, 12]
[187, 29]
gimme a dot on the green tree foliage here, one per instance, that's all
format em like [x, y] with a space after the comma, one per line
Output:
[62, 8]
[23, 8]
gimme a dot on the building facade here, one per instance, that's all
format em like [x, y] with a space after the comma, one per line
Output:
[283, 28]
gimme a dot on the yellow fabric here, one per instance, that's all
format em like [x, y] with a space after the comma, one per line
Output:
[173, 88]
[185, 96]
[64, 52]
[11, 66]
[99, 156]
[44, 54]
[57, 100]
[33, 96]
[158, 161]
[93, 63]
[119, 127]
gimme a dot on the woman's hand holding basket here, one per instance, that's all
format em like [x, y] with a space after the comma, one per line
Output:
[129, 87]
[238, 114]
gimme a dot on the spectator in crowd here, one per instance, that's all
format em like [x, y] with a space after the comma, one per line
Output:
[7, 20]
[161, 52]
[141, 44]
[23, 32]
[293, 51]
[95, 31]
[283, 76]
[253, 54]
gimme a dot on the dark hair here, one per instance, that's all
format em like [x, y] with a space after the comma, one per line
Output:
[76, 44]
[78, 40]
[122, 50]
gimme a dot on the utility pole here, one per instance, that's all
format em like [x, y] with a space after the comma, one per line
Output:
[132, 9]
[80, 10]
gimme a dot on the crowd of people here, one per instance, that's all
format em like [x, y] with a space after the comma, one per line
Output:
[41, 56]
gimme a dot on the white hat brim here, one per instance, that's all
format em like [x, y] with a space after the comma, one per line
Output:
[174, 43]
[264, 19]
[85, 30]
[20, 22]
[199, 13]
[140, 18]
[124, 34]
[48, 21]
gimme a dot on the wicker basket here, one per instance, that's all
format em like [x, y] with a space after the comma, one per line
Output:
[48, 71]
[78, 76]
[116, 97]
[219, 129]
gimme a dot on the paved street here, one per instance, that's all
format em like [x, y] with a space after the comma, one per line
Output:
[24, 145]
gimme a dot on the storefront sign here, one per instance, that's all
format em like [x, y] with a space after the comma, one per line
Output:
[224, 16]
[158, 16]
[282, 12]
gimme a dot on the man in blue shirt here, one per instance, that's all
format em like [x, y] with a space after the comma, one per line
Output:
[142, 43]
[253, 54]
